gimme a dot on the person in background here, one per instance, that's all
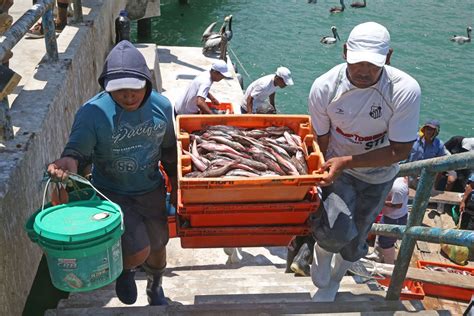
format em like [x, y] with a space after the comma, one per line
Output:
[365, 115]
[126, 132]
[428, 146]
[259, 96]
[467, 205]
[193, 100]
[60, 21]
[395, 212]
[457, 145]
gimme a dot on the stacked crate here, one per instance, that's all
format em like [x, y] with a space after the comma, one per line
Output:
[258, 211]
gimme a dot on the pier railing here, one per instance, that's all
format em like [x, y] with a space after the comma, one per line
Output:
[44, 9]
[413, 231]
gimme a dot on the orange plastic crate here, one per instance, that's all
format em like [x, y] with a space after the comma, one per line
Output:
[248, 214]
[446, 291]
[218, 237]
[223, 106]
[415, 289]
[257, 189]
[172, 226]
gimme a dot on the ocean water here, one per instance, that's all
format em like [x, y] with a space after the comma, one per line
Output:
[268, 34]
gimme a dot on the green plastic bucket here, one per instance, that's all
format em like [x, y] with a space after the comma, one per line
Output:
[77, 195]
[81, 241]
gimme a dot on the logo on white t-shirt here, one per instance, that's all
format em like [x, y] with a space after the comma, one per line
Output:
[375, 111]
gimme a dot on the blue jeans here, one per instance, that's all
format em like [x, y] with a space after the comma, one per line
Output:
[388, 242]
[349, 208]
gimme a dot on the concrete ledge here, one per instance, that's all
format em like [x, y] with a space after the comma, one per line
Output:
[43, 113]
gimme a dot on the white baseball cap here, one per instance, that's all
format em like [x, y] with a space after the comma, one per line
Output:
[285, 74]
[221, 66]
[124, 83]
[369, 42]
[468, 143]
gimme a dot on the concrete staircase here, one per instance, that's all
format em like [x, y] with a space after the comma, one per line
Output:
[198, 281]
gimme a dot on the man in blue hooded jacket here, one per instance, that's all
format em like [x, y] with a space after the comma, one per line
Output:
[126, 131]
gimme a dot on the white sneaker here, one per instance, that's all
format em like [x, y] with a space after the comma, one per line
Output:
[321, 267]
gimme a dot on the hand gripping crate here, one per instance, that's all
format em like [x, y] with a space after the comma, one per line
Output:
[257, 189]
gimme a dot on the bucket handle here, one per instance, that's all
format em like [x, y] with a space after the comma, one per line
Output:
[81, 179]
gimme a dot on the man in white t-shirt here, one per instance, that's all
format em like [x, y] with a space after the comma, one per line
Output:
[193, 100]
[394, 212]
[260, 94]
[365, 115]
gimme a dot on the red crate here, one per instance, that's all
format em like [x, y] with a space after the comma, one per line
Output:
[255, 189]
[248, 214]
[172, 227]
[446, 291]
[415, 289]
[222, 106]
[218, 237]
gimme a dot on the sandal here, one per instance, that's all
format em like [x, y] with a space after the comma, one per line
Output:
[37, 30]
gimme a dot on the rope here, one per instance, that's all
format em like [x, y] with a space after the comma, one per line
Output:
[240, 63]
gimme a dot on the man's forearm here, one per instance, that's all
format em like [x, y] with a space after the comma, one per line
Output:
[203, 106]
[380, 157]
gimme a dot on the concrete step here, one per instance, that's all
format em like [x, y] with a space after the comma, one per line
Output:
[293, 308]
[221, 294]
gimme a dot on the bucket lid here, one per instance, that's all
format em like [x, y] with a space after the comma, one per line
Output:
[77, 221]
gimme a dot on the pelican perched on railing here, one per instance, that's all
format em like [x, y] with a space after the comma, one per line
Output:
[338, 9]
[462, 39]
[208, 32]
[329, 39]
[359, 4]
[214, 40]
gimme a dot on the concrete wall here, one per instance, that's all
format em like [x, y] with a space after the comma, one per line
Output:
[44, 112]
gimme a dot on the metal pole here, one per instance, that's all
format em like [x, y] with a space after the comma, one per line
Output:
[50, 36]
[22, 25]
[429, 234]
[78, 11]
[423, 192]
[452, 162]
[6, 129]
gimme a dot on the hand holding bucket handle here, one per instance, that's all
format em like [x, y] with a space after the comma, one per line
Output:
[80, 179]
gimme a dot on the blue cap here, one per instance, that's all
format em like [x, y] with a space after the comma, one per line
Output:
[123, 13]
[471, 178]
[432, 123]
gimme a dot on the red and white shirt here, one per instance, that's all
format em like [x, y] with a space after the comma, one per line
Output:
[361, 120]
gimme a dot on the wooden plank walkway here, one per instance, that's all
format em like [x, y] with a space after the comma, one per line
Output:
[445, 197]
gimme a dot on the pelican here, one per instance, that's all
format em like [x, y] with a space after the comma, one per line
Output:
[462, 39]
[213, 41]
[359, 4]
[338, 9]
[208, 32]
[329, 39]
